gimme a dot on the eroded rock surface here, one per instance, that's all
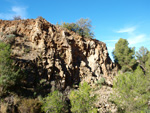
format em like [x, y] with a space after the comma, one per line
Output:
[56, 54]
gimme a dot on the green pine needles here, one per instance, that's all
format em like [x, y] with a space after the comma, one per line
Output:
[82, 101]
[131, 92]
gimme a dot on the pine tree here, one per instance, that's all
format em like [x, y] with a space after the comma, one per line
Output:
[81, 100]
[124, 55]
[131, 92]
[9, 74]
[142, 57]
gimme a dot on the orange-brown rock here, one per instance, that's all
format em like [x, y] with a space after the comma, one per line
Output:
[55, 53]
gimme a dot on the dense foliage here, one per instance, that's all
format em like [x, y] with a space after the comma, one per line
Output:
[131, 91]
[82, 27]
[131, 87]
[54, 103]
[142, 57]
[81, 100]
[9, 74]
[124, 55]
[148, 65]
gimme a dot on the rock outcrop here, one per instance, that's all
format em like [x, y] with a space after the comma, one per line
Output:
[62, 54]
[53, 53]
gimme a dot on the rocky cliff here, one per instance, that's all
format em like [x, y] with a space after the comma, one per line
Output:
[54, 53]
[58, 57]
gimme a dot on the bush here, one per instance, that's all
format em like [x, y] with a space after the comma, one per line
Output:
[10, 38]
[101, 82]
[142, 57]
[81, 100]
[54, 103]
[17, 17]
[83, 27]
[9, 74]
[30, 106]
[148, 65]
[131, 93]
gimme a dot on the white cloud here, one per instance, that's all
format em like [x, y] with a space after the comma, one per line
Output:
[133, 37]
[15, 11]
[127, 30]
[137, 39]
[20, 11]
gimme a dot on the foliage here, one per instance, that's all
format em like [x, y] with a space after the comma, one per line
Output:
[82, 27]
[101, 82]
[85, 28]
[148, 65]
[124, 55]
[142, 56]
[10, 38]
[81, 100]
[71, 26]
[54, 103]
[29, 106]
[17, 17]
[9, 74]
[131, 93]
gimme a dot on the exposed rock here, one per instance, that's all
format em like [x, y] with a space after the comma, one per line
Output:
[103, 102]
[57, 54]
[63, 52]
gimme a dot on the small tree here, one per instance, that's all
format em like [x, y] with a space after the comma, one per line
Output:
[9, 74]
[131, 92]
[82, 27]
[85, 28]
[54, 103]
[17, 17]
[81, 100]
[148, 65]
[142, 57]
[70, 26]
[124, 55]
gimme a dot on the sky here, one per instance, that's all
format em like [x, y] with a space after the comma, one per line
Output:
[111, 19]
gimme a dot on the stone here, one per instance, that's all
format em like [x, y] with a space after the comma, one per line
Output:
[58, 55]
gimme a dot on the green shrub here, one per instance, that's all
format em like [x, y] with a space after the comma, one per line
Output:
[10, 38]
[131, 93]
[101, 82]
[81, 100]
[148, 65]
[83, 27]
[9, 74]
[142, 57]
[54, 103]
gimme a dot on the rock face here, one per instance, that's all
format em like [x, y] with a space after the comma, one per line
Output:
[58, 57]
[55, 53]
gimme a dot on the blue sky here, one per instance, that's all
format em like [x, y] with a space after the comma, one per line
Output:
[111, 19]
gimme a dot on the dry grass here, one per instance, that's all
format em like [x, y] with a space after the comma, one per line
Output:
[3, 107]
